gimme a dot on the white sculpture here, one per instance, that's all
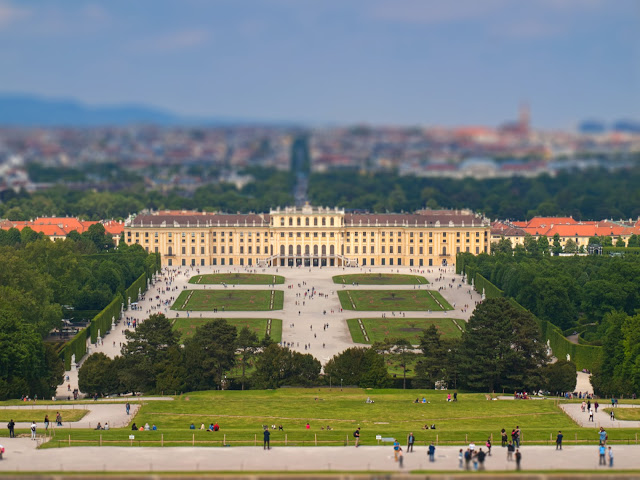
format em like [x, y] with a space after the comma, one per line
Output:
[568, 357]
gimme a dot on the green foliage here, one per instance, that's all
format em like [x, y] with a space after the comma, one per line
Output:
[560, 377]
[76, 346]
[502, 349]
[98, 375]
[610, 195]
[27, 366]
[359, 366]
[277, 366]
[439, 361]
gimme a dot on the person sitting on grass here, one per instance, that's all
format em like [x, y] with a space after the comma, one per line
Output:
[134, 427]
[280, 428]
[99, 427]
[146, 426]
[216, 427]
[192, 426]
[202, 426]
[106, 426]
[153, 427]
[210, 429]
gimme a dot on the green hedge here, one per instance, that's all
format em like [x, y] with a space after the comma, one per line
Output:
[490, 290]
[132, 292]
[623, 250]
[102, 321]
[77, 345]
[584, 356]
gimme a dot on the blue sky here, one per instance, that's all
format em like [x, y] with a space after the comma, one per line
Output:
[426, 62]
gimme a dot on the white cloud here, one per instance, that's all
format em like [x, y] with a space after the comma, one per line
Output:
[10, 13]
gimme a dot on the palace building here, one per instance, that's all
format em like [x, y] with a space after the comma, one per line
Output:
[309, 236]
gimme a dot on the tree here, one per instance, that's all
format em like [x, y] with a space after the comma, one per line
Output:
[146, 353]
[277, 366]
[209, 354]
[403, 349]
[97, 375]
[620, 243]
[359, 366]
[557, 247]
[502, 247]
[502, 348]
[634, 241]
[543, 245]
[570, 246]
[531, 245]
[432, 361]
[560, 377]
[248, 345]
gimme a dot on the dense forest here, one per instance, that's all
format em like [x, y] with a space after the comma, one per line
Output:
[270, 189]
[42, 282]
[587, 195]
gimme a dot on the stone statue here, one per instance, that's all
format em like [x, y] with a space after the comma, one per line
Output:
[568, 357]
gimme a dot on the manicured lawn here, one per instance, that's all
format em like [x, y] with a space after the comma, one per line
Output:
[228, 299]
[20, 415]
[625, 413]
[380, 279]
[187, 326]
[242, 414]
[237, 279]
[392, 300]
[398, 327]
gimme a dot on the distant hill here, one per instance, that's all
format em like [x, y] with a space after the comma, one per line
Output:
[31, 111]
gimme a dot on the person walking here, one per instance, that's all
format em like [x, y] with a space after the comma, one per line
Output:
[481, 457]
[400, 457]
[559, 440]
[267, 444]
[503, 435]
[356, 434]
[590, 415]
[410, 441]
[612, 416]
[518, 459]
[396, 448]
[46, 422]
[127, 408]
[488, 445]
[602, 450]
[33, 430]
[603, 436]
[58, 419]
[610, 458]
[517, 436]
[432, 453]
[460, 459]
[11, 426]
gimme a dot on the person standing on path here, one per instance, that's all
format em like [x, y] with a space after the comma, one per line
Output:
[510, 450]
[400, 457]
[396, 449]
[33, 430]
[46, 422]
[518, 459]
[432, 453]
[11, 426]
[460, 459]
[58, 419]
[516, 440]
[481, 457]
[559, 440]
[602, 449]
[603, 436]
[410, 441]
[127, 408]
[610, 458]
[356, 434]
[267, 443]
[503, 435]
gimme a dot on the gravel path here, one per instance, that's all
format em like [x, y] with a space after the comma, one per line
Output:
[21, 457]
[600, 419]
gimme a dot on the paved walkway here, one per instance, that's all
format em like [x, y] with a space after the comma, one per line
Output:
[114, 414]
[20, 456]
[600, 419]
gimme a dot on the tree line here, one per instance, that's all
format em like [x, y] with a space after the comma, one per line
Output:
[501, 350]
[44, 281]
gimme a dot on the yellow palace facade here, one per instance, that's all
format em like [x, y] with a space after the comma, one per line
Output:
[309, 236]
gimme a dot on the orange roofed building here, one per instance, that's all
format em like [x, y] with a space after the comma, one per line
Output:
[566, 228]
[59, 227]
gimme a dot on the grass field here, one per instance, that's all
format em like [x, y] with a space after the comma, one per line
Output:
[237, 279]
[398, 327]
[241, 416]
[229, 300]
[392, 300]
[187, 326]
[21, 415]
[625, 413]
[380, 279]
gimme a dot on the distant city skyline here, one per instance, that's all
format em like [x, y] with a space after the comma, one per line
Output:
[406, 62]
